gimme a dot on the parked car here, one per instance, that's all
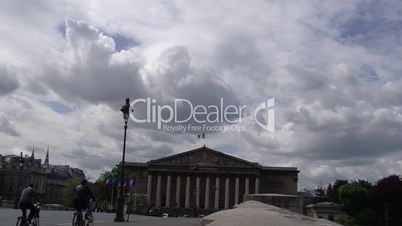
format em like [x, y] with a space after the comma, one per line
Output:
[155, 211]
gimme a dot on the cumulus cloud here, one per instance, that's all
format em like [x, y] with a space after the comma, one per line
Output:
[334, 70]
[92, 70]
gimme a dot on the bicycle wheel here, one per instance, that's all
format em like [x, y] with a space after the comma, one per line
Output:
[18, 221]
[75, 220]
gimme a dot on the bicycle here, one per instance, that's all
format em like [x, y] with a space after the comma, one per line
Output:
[22, 221]
[88, 220]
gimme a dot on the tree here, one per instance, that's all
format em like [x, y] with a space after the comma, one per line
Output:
[354, 197]
[320, 194]
[69, 190]
[366, 217]
[386, 197]
[333, 192]
[329, 190]
[104, 193]
[364, 184]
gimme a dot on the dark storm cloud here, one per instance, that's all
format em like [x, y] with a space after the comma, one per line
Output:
[8, 81]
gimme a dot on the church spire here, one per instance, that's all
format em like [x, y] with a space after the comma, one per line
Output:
[47, 157]
[33, 153]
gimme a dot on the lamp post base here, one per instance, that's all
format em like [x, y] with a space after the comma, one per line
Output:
[119, 209]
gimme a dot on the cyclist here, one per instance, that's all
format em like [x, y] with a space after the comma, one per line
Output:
[82, 196]
[27, 199]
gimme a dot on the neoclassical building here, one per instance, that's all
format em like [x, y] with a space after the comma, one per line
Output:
[17, 172]
[208, 180]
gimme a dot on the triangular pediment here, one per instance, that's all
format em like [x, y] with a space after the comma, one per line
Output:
[203, 157]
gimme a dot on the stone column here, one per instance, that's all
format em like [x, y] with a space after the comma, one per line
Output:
[247, 186]
[217, 193]
[197, 190]
[158, 191]
[187, 201]
[237, 191]
[257, 185]
[227, 193]
[178, 192]
[169, 181]
[206, 203]
[149, 190]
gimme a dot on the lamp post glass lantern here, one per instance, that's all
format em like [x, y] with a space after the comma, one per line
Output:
[125, 109]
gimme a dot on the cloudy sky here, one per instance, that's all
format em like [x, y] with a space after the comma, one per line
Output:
[334, 70]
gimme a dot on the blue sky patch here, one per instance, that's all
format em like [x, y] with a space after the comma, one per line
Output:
[58, 107]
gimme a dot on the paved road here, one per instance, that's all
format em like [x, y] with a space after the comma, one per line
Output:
[8, 217]
[156, 222]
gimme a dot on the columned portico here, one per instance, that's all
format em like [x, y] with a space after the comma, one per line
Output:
[149, 190]
[197, 192]
[206, 202]
[257, 185]
[187, 200]
[217, 193]
[247, 186]
[237, 191]
[169, 181]
[158, 191]
[178, 191]
[227, 193]
[219, 181]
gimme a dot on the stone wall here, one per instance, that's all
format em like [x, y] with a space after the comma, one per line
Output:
[293, 203]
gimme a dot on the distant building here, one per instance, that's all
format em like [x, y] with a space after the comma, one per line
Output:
[17, 172]
[326, 210]
[208, 180]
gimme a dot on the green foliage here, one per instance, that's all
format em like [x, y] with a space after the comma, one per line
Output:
[364, 184]
[105, 193]
[333, 192]
[386, 197]
[368, 204]
[113, 173]
[366, 217]
[346, 221]
[354, 197]
[69, 190]
[329, 190]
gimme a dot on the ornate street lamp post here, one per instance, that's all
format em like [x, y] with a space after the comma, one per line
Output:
[21, 164]
[120, 197]
[195, 168]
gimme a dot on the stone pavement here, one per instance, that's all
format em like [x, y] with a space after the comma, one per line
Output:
[253, 213]
[155, 222]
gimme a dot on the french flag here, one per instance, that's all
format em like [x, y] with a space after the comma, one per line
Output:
[202, 135]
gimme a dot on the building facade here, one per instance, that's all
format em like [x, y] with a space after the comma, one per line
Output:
[17, 172]
[327, 210]
[207, 180]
